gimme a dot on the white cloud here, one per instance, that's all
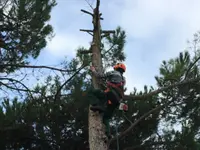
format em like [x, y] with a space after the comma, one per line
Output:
[143, 18]
[132, 81]
[67, 19]
[66, 44]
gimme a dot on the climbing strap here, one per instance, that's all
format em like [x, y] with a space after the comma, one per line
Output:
[117, 87]
[109, 85]
[116, 128]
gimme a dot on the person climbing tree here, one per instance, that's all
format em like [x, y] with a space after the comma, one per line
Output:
[106, 101]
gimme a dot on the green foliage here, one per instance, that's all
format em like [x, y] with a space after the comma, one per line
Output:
[15, 132]
[84, 59]
[145, 128]
[24, 28]
[46, 123]
[185, 99]
[113, 47]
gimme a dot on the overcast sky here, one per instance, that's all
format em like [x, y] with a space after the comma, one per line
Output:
[156, 30]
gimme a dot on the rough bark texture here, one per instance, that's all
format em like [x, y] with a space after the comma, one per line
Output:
[97, 138]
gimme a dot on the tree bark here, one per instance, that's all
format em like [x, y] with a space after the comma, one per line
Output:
[97, 137]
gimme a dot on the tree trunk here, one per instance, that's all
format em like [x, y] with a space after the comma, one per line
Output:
[97, 137]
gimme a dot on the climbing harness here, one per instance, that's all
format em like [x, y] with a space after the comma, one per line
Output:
[117, 87]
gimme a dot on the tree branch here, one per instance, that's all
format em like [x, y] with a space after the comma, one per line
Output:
[12, 88]
[89, 13]
[104, 31]
[140, 119]
[109, 49]
[88, 31]
[58, 91]
[167, 103]
[33, 66]
[85, 30]
[9, 17]
[141, 97]
[13, 80]
[150, 144]
[190, 67]
[89, 4]
[4, 5]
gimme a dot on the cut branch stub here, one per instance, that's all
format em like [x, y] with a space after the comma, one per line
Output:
[103, 31]
[86, 30]
[89, 13]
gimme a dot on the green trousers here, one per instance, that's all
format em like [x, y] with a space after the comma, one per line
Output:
[109, 111]
[98, 97]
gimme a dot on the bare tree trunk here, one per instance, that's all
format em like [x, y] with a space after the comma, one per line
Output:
[97, 138]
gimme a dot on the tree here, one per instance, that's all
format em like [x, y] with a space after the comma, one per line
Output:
[53, 115]
[186, 103]
[45, 122]
[97, 137]
[23, 30]
[182, 102]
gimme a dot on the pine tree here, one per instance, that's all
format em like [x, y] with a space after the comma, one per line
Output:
[24, 30]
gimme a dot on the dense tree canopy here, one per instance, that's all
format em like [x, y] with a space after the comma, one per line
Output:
[24, 30]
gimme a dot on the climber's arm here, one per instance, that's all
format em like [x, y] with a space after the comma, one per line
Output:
[98, 74]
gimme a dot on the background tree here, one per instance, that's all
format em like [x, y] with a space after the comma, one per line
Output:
[24, 30]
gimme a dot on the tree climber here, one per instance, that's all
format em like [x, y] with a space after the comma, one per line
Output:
[108, 100]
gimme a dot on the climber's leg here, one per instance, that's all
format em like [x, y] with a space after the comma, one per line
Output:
[107, 126]
[108, 113]
[97, 100]
[111, 104]
[93, 99]
[114, 96]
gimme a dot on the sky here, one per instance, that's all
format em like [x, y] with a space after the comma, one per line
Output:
[156, 30]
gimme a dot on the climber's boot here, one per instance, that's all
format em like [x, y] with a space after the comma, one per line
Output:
[97, 108]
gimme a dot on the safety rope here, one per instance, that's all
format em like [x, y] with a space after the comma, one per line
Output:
[127, 118]
[117, 125]
[116, 128]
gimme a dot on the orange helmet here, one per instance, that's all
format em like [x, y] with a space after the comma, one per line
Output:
[120, 65]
